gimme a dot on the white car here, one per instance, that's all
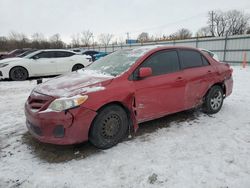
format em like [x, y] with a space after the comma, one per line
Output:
[42, 63]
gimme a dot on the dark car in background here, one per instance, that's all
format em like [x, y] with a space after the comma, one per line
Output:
[26, 53]
[99, 55]
[13, 53]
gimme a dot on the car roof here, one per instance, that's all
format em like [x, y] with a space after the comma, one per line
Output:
[61, 50]
[155, 48]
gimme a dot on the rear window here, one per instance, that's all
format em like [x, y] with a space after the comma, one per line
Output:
[190, 58]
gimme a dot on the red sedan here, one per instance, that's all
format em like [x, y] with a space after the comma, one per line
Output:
[109, 98]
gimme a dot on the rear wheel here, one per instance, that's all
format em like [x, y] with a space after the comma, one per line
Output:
[109, 127]
[18, 74]
[213, 100]
[77, 67]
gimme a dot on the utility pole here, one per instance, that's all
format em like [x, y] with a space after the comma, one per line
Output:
[213, 23]
[127, 36]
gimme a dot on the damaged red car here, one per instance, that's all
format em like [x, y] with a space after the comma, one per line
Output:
[104, 101]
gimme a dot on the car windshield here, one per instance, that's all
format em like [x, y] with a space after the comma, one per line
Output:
[117, 62]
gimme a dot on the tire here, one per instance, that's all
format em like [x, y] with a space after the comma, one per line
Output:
[77, 67]
[18, 74]
[109, 127]
[213, 100]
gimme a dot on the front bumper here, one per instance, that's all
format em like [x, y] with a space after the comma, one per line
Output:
[59, 127]
[4, 73]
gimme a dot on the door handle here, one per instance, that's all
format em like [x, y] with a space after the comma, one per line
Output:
[179, 79]
[209, 72]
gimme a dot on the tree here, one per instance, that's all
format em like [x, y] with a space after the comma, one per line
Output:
[85, 37]
[248, 31]
[75, 40]
[143, 37]
[18, 40]
[181, 34]
[232, 22]
[203, 32]
[105, 38]
[3, 43]
[237, 22]
[56, 41]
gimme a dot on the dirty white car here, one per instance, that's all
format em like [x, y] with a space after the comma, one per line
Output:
[42, 63]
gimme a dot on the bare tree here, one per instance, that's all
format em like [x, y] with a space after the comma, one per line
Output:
[56, 41]
[121, 40]
[203, 32]
[75, 40]
[181, 34]
[3, 43]
[105, 38]
[38, 37]
[18, 40]
[85, 37]
[248, 31]
[237, 22]
[232, 22]
[143, 37]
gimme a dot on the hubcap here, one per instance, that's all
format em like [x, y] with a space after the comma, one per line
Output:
[111, 126]
[18, 74]
[216, 100]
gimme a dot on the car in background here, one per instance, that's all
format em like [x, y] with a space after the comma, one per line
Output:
[27, 52]
[110, 97]
[99, 55]
[13, 53]
[41, 63]
[210, 53]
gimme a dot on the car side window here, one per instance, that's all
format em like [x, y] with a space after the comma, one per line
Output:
[64, 54]
[204, 61]
[49, 54]
[162, 62]
[191, 58]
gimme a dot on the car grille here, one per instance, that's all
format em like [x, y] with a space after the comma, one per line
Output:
[38, 102]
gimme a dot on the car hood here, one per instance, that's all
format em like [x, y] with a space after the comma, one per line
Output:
[10, 60]
[79, 82]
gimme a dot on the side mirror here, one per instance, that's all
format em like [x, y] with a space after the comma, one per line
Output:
[145, 72]
[35, 57]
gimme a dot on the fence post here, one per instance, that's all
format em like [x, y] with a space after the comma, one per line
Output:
[196, 42]
[225, 49]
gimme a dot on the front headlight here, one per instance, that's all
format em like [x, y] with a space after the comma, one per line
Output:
[3, 65]
[61, 104]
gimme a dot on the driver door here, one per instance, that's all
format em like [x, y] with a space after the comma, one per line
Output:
[44, 63]
[163, 92]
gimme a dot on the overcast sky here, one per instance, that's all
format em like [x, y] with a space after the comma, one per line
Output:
[67, 17]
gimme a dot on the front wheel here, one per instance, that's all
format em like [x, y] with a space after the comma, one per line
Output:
[213, 100]
[18, 74]
[109, 127]
[77, 67]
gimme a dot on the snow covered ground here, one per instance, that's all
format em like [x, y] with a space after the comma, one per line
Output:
[188, 149]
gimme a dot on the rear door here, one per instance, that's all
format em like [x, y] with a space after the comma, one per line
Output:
[64, 61]
[163, 92]
[199, 75]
